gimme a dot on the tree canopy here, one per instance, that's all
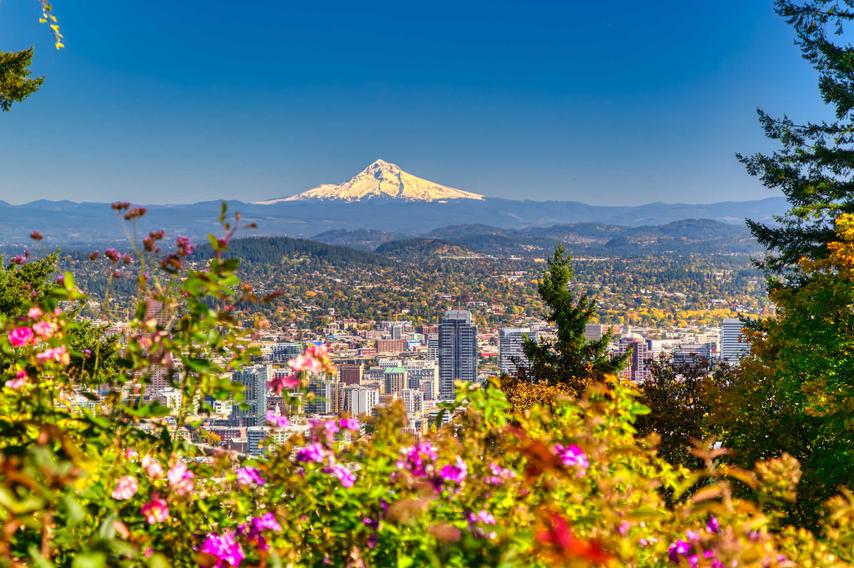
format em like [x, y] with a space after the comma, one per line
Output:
[15, 82]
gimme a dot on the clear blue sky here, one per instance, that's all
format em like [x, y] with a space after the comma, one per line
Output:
[622, 102]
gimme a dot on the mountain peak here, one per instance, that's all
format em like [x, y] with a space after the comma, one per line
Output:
[381, 180]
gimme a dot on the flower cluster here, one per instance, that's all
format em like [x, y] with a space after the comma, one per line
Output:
[572, 456]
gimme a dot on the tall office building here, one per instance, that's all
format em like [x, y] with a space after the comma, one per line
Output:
[457, 351]
[252, 411]
[283, 352]
[510, 354]
[734, 344]
[413, 400]
[433, 346]
[325, 396]
[637, 368]
[350, 373]
[395, 380]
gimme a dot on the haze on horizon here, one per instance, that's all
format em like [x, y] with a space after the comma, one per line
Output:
[183, 102]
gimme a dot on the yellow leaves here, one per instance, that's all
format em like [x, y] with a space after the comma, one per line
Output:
[49, 18]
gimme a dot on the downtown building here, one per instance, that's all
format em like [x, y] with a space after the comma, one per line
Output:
[457, 351]
[510, 353]
[252, 411]
[734, 344]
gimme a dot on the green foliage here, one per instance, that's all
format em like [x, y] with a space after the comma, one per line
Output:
[570, 357]
[15, 82]
[814, 163]
[22, 286]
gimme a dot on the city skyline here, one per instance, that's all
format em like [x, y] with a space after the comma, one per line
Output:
[555, 102]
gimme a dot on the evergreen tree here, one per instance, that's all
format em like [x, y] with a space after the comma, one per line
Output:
[813, 167]
[15, 82]
[570, 358]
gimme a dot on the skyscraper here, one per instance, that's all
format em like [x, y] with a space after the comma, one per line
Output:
[637, 368]
[734, 344]
[457, 351]
[253, 409]
[510, 354]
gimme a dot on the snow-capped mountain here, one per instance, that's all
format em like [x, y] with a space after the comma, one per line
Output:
[381, 180]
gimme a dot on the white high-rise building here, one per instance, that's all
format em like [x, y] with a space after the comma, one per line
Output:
[361, 399]
[510, 353]
[413, 400]
[734, 344]
[252, 410]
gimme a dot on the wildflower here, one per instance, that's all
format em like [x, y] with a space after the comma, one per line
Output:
[20, 336]
[350, 424]
[125, 488]
[36, 236]
[130, 453]
[19, 380]
[455, 472]
[277, 420]
[712, 525]
[184, 246]
[180, 479]
[94, 255]
[127, 258]
[623, 528]
[344, 475]
[314, 452]
[256, 526]
[572, 456]
[677, 549]
[18, 259]
[304, 363]
[499, 474]
[155, 511]
[484, 517]
[58, 354]
[135, 213]
[112, 254]
[44, 329]
[692, 536]
[416, 458]
[119, 205]
[224, 548]
[249, 476]
[281, 382]
[152, 467]
[35, 313]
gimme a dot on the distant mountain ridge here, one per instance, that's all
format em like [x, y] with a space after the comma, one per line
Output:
[381, 180]
[68, 224]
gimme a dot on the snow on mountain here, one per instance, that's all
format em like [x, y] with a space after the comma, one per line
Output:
[381, 180]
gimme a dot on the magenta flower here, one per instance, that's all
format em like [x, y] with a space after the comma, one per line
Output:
[249, 476]
[712, 525]
[20, 336]
[281, 382]
[677, 549]
[112, 254]
[224, 548]
[350, 424]
[19, 380]
[256, 526]
[572, 456]
[454, 473]
[185, 247]
[58, 354]
[125, 488]
[314, 452]
[277, 420]
[483, 517]
[155, 511]
[35, 313]
[180, 479]
[344, 475]
[418, 458]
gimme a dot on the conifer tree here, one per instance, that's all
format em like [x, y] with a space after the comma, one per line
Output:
[570, 358]
[15, 82]
[814, 165]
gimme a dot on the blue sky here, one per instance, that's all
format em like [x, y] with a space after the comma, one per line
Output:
[630, 103]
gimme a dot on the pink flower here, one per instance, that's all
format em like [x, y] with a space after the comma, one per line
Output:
[224, 548]
[184, 246]
[281, 381]
[125, 488]
[44, 329]
[19, 380]
[155, 511]
[57, 354]
[35, 313]
[305, 363]
[311, 453]
[180, 479]
[130, 453]
[152, 467]
[344, 475]
[455, 473]
[277, 420]
[20, 336]
[350, 424]
[572, 456]
[249, 476]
